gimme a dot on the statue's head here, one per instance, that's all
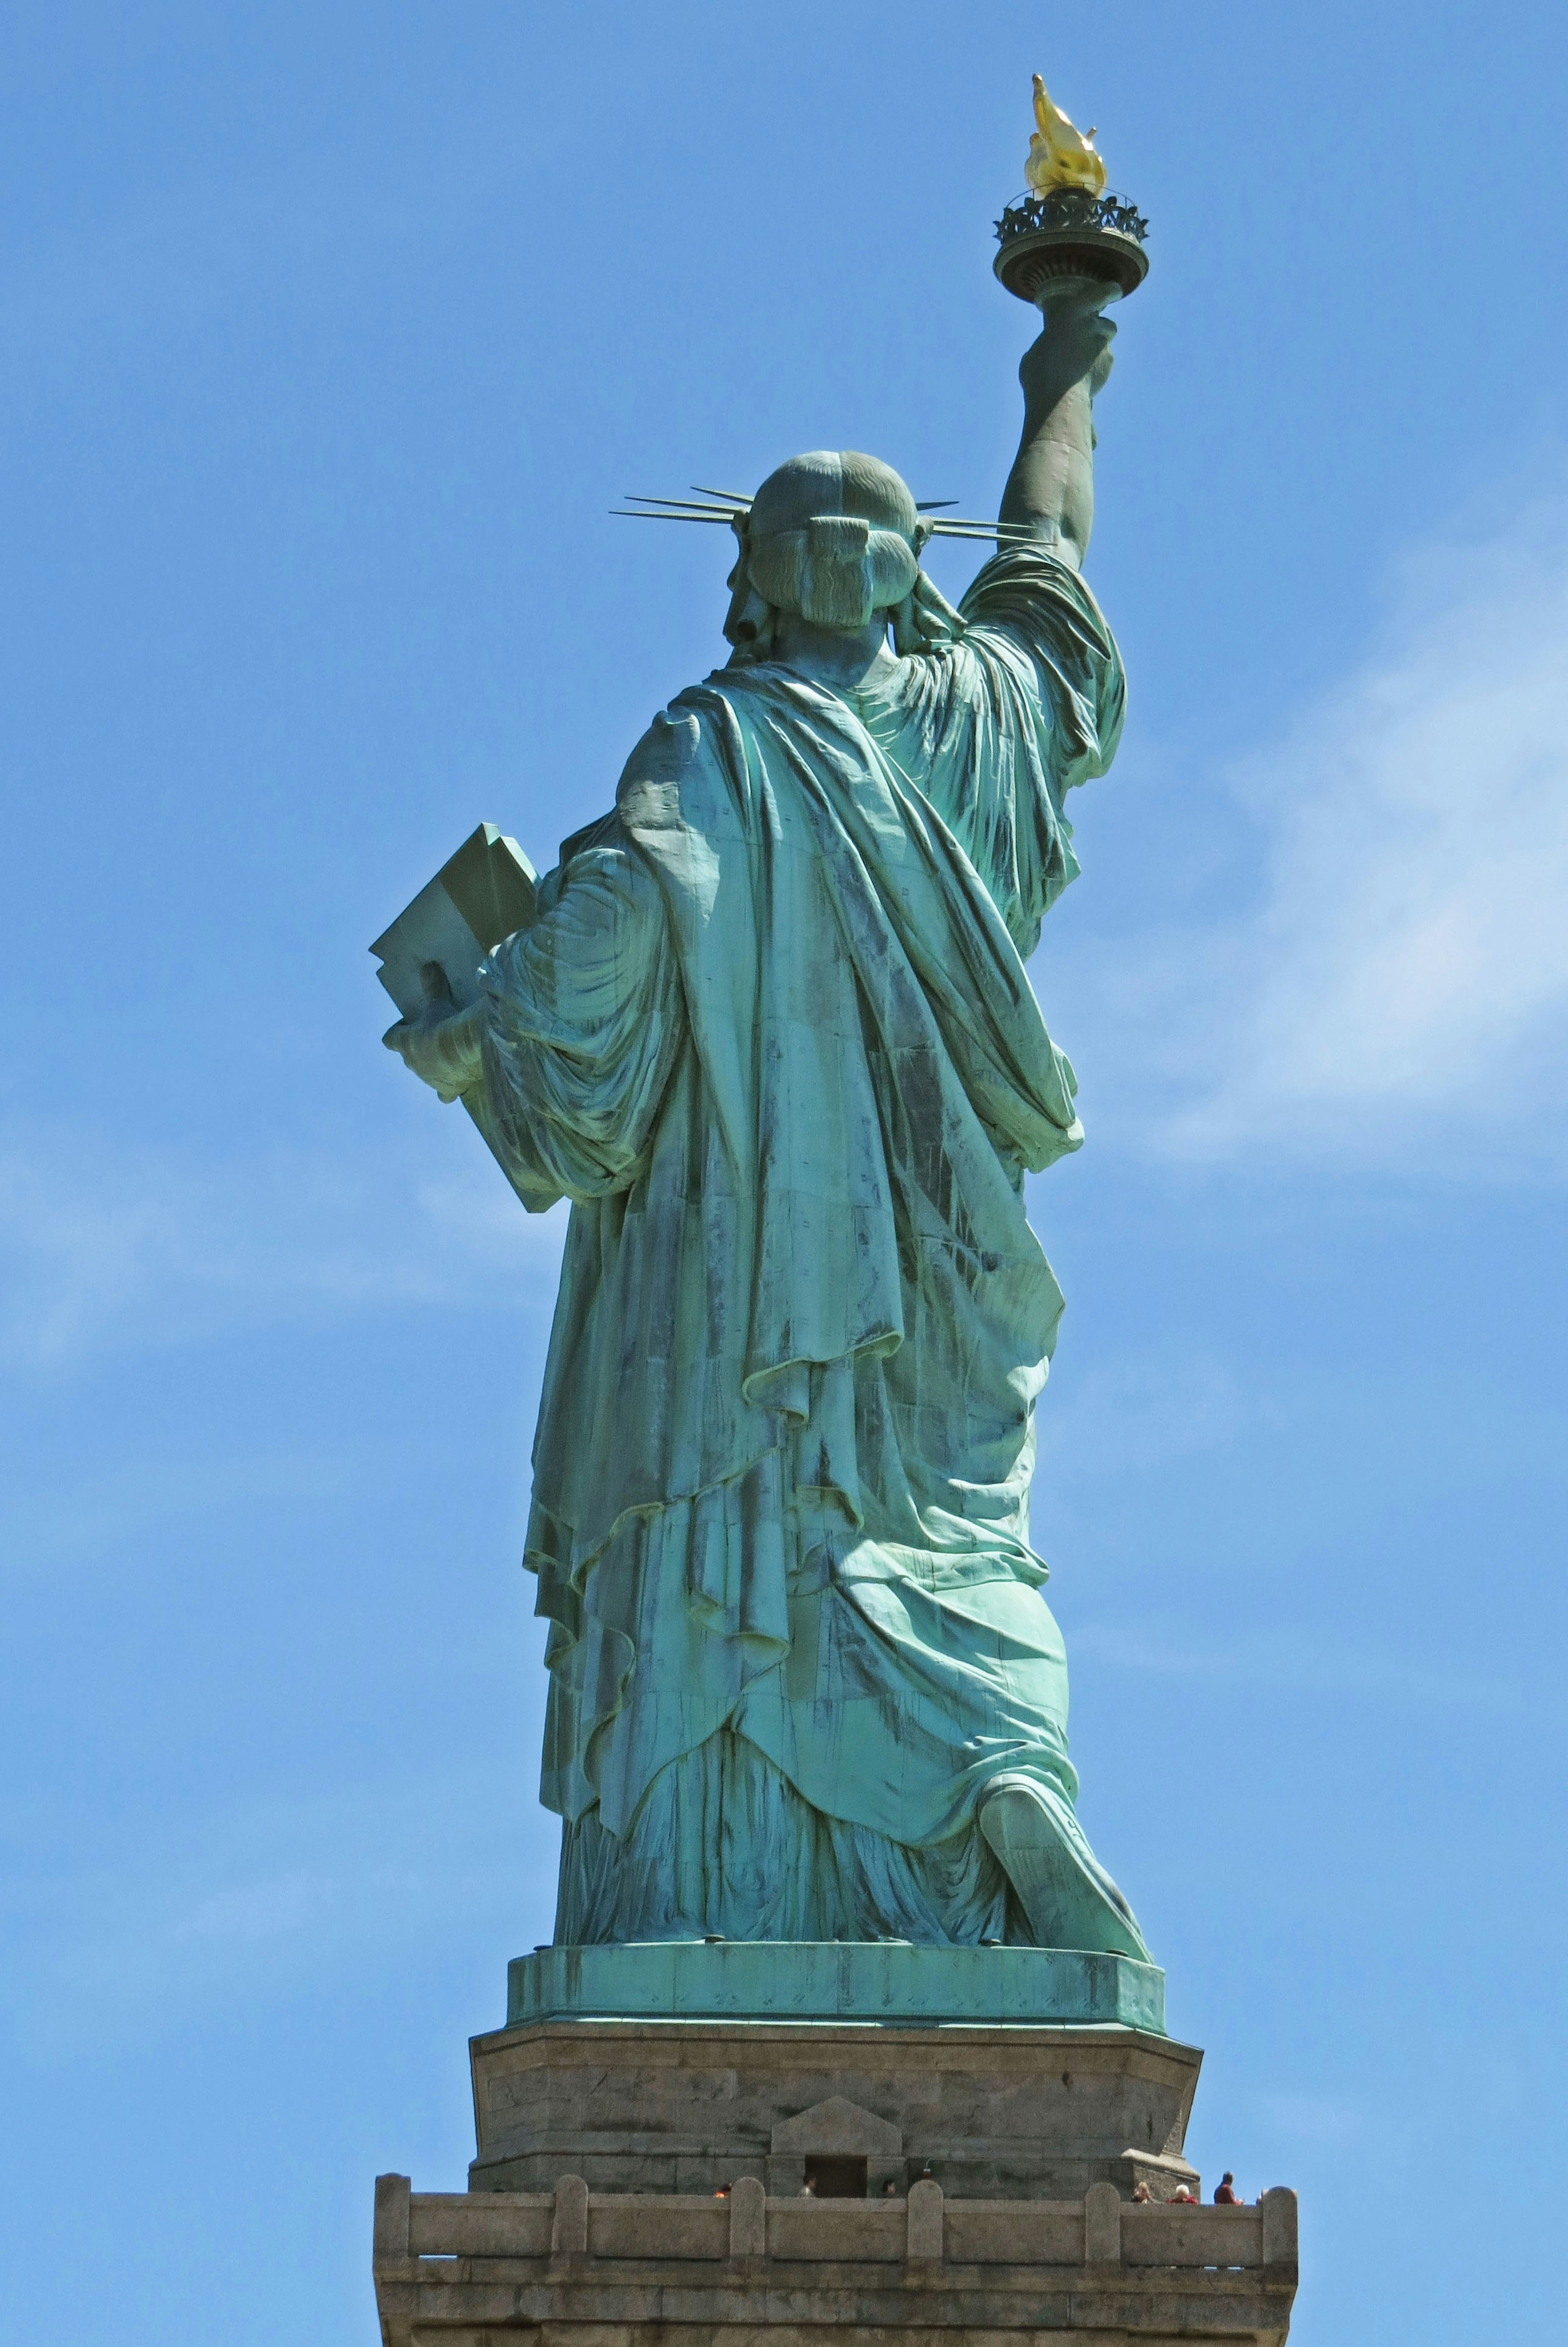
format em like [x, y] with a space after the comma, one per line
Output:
[835, 538]
[832, 537]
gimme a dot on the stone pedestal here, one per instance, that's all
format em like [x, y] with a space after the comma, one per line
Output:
[710, 2178]
[677, 2107]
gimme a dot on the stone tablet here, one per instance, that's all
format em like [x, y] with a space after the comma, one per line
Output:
[481, 895]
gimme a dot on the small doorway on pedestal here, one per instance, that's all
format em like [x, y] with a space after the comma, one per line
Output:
[836, 2177]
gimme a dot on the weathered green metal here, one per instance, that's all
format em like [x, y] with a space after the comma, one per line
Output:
[771, 1032]
[817, 1982]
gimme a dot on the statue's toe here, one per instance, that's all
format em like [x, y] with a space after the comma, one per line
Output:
[1069, 1899]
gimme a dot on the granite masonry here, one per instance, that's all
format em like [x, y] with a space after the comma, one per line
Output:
[720, 2182]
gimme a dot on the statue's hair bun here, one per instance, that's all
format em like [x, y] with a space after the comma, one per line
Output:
[831, 535]
[836, 572]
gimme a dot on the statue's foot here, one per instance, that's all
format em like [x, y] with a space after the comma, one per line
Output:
[1070, 1899]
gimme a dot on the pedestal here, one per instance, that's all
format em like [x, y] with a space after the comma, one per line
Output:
[677, 2107]
[705, 2179]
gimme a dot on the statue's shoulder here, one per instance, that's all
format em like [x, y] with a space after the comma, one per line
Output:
[676, 774]
[1028, 593]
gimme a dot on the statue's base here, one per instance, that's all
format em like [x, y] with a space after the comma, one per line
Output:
[745, 2181]
[815, 1980]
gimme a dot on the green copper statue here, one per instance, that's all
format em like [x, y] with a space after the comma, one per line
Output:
[772, 1034]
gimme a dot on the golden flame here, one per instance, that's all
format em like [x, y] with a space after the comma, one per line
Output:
[1060, 156]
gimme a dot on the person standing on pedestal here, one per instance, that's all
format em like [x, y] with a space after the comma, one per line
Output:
[772, 1035]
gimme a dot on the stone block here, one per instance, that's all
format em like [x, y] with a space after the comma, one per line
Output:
[480, 2224]
[1013, 2232]
[748, 2219]
[391, 2199]
[1101, 2226]
[568, 2232]
[1192, 2237]
[924, 2221]
[855, 2232]
[657, 2225]
[1280, 2223]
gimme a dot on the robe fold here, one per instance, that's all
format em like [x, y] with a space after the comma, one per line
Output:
[772, 1034]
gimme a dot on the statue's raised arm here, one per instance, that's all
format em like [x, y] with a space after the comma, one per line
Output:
[1049, 492]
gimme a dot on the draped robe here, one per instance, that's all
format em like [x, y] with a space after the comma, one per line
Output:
[772, 1035]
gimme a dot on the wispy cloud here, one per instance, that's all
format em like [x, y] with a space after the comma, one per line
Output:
[1145, 1411]
[272, 1910]
[1312, 2122]
[263, 1897]
[1400, 990]
[100, 1249]
[1297, 1658]
[103, 1511]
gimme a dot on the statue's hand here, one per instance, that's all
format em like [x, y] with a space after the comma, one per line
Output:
[1074, 347]
[442, 1047]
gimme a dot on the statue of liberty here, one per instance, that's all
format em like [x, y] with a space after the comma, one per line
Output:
[772, 1035]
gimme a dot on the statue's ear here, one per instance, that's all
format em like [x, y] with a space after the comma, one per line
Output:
[922, 537]
[907, 636]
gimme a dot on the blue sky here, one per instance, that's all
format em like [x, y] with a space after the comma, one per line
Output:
[329, 334]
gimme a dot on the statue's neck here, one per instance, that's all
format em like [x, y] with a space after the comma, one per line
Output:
[843, 660]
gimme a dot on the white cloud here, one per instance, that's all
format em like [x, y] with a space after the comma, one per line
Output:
[1401, 991]
[102, 1248]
